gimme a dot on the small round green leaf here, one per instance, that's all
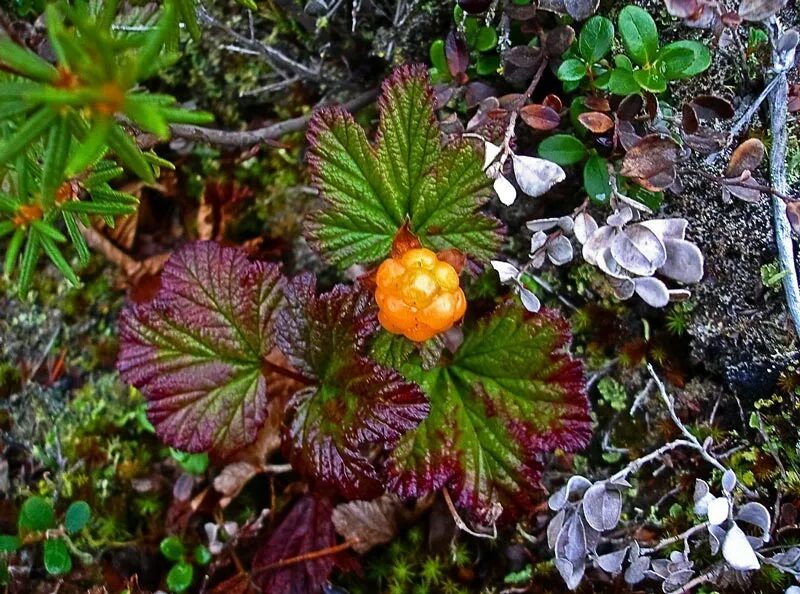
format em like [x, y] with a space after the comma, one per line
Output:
[9, 543]
[37, 514]
[195, 464]
[672, 61]
[639, 35]
[672, 53]
[622, 82]
[651, 80]
[78, 515]
[172, 548]
[596, 181]
[487, 64]
[571, 70]
[486, 39]
[563, 149]
[202, 555]
[56, 556]
[596, 38]
[180, 577]
[438, 58]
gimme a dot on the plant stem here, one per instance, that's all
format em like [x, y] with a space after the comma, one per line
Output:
[304, 557]
[777, 167]
[289, 373]
[250, 138]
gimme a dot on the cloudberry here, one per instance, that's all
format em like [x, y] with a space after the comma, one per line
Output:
[418, 295]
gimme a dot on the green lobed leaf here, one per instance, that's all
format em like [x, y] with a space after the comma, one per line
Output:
[639, 34]
[510, 394]
[196, 351]
[352, 404]
[596, 38]
[369, 192]
[57, 560]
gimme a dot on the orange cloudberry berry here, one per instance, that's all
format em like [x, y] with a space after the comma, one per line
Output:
[418, 295]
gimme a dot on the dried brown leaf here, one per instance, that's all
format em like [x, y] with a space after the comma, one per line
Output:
[366, 524]
[596, 122]
[652, 162]
[747, 157]
[540, 117]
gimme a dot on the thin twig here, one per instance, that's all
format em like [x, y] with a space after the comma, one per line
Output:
[777, 166]
[462, 525]
[662, 544]
[250, 138]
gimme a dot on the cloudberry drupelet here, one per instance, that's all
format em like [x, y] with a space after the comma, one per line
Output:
[418, 295]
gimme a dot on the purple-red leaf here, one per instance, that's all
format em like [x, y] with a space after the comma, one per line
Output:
[509, 394]
[457, 54]
[196, 350]
[356, 402]
[306, 530]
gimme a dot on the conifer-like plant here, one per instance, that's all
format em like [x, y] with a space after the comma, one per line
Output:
[65, 134]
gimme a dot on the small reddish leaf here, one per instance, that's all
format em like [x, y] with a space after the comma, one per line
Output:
[793, 214]
[540, 117]
[558, 40]
[403, 241]
[689, 120]
[630, 107]
[553, 102]
[306, 531]
[196, 350]
[652, 162]
[793, 104]
[453, 257]
[596, 103]
[709, 107]
[596, 122]
[682, 9]
[747, 157]
[355, 403]
[457, 54]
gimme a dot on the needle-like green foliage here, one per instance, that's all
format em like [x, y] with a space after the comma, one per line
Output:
[65, 128]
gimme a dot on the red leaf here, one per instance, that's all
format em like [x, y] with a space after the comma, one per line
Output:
[356, 402]
[403, 241]
[196, 350]
[540, 117]
[652, 162]
[306, 532]
[596, 122]
[457, 54]
[509, 394]
[553, 102]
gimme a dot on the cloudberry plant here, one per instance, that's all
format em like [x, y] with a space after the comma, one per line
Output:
[418, 295]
